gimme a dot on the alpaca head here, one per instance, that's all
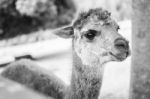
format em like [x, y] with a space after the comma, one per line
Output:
[95, 38]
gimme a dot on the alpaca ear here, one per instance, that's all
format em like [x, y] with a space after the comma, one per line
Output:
[65, 32]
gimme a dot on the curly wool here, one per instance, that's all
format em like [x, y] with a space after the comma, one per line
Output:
[84, 16]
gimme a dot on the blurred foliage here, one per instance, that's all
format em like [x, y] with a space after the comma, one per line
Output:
[19, 17]
[26, 16]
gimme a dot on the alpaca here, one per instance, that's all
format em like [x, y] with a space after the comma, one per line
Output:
[95, 41]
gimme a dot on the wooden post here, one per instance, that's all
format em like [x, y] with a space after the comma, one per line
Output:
[140, 70]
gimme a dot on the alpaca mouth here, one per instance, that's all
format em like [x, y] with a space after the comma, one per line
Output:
[120, 56]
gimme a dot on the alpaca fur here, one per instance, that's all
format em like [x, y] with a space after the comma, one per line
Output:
[29, 74]
[83, 17]
[86, 78]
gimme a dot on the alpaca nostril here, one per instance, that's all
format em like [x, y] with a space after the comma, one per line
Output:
[121, 44]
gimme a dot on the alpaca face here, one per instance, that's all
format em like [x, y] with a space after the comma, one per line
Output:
[98, 42]
[96, 39]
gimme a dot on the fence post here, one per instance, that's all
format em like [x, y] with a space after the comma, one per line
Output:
[140, 70]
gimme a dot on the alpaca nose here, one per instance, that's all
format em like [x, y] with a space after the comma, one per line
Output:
[121, 44]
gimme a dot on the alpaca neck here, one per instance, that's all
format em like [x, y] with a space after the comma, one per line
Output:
[86, 80]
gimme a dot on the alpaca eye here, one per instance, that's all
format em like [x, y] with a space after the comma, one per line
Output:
[91, 34]
[118, 28]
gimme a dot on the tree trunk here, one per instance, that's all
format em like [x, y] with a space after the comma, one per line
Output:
[140, 70]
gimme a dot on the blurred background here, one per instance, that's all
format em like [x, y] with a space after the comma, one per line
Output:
[26, 28]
